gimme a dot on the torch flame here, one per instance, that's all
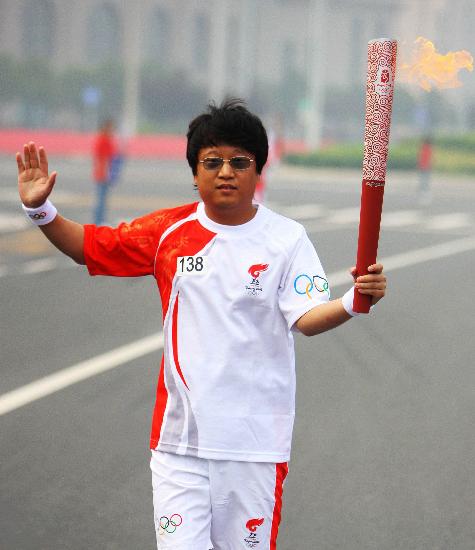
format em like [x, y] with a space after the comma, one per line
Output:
[429, 68]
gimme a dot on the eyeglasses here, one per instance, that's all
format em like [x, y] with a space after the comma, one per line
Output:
[236, 163]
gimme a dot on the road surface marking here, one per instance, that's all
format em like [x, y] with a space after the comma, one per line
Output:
[303, 211]
[343, 216]
[81, 371]
[454, 220]
[10, 194]
[13, 222]
[412, 257]
[401, 218]
[39, 266]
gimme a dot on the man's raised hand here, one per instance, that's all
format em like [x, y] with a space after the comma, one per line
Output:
[34, 183]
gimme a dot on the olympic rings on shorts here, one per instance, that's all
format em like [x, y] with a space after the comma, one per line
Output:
[169, 525]
[303, 284]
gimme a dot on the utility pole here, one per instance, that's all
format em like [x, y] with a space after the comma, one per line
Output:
[132, 25]
[315, 73]
[218, 49]
[246, 47]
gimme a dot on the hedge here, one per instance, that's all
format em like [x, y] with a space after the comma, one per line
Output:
[452, 154]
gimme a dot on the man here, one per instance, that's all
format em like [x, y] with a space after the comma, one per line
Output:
[235, 280]
[105, 155]
[424, 166]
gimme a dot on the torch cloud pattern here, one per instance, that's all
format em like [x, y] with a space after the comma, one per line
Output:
[379, 99]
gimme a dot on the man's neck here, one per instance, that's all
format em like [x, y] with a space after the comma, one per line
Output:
[229, 216]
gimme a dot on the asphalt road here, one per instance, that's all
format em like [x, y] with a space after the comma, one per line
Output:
[383, 452]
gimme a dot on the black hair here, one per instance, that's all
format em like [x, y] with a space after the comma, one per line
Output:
[229, 124]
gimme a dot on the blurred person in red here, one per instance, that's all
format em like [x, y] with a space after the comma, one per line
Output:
[105, 167]
[424, 167]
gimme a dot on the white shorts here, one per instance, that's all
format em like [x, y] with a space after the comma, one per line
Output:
[202, 504]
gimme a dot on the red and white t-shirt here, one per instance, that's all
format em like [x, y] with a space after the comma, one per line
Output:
[230, 297]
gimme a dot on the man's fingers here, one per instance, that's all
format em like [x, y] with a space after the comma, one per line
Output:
[43, 160]
[375, 268]
[377, 293]
[373, 284]
[20, 164]
[380, 285]
[26, 154]
[34, 162]
[371, 278]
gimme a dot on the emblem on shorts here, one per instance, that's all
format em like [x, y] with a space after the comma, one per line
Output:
[251, 540]
[254, 287]
[169, 524]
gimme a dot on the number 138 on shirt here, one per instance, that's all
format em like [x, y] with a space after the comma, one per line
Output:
[191, 265]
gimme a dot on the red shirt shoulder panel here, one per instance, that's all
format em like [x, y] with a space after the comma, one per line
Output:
[129, 250]
[187, 239]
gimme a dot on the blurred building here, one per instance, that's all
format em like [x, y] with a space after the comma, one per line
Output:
[288, 50]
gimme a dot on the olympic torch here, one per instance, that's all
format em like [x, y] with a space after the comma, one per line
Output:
[379, 101]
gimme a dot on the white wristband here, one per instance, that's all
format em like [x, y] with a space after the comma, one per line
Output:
[347, 301]
[42, 215]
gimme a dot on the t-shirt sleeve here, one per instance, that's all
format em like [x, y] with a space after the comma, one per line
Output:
[125, 251]
[304, 285]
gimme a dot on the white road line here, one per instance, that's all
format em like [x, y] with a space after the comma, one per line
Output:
[91, 367]
[303, 211]
[12, 222]
[81, 371]
[413, 257]
[401, 218]
[10, 194]
[343, 216]
[443, 222]
[39, 266]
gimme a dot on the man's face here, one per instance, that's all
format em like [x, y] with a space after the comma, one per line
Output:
[227, 192]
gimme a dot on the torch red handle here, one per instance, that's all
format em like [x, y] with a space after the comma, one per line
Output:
[372, 193]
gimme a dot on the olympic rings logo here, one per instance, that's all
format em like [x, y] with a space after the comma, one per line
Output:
[304, 284]
[169, 525]
[38, 216]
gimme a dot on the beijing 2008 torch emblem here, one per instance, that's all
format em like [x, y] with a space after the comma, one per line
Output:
[384, 81]
[255, 271]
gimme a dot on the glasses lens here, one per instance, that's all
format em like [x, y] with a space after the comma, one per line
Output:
[212, 163]
[240, 163]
